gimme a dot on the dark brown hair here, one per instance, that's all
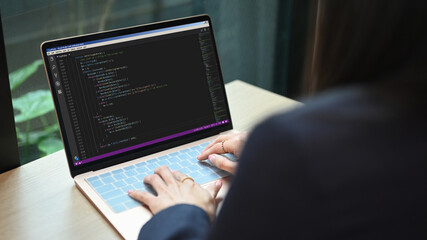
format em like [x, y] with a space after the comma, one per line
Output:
[360, 40]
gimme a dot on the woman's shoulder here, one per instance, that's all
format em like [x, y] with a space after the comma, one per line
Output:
[350, 123]
[327, 109]
[356, 106]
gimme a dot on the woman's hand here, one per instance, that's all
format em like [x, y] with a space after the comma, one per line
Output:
[230, 143]
[177, 188]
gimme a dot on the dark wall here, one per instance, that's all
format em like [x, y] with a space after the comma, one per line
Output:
[9, 157]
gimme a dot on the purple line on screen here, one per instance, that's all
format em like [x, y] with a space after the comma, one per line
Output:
[150, 142]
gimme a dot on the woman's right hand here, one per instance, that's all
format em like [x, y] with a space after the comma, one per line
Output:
[230, 143]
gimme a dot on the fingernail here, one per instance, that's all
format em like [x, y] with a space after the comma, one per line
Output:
[212, 158]
[130, 191]
[218, 183]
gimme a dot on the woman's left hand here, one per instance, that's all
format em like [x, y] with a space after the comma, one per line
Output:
[177, 188]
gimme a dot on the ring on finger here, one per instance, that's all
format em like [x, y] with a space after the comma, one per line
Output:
[185, 178]
[222, 146]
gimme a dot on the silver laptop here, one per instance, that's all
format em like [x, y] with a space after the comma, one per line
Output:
[132, 99]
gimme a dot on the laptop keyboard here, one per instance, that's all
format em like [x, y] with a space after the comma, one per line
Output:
[113, 186]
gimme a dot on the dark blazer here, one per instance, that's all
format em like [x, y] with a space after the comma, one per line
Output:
[350, 164]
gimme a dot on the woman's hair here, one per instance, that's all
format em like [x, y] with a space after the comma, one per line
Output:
[361, 40]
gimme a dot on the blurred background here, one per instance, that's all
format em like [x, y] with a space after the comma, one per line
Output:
[261, 42]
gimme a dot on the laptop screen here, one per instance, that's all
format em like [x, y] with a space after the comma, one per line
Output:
[125, 91]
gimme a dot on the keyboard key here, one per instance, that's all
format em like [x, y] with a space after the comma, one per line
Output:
[197, 148]
[184, 151]
[117, 171]
[193, 154]
[131, 173]
[129, 167]
[119, 184]
[206, 171]
[139, 185]
[165, 157]
[203, 145]
[120, 176]
[163, 162]
[105, 175]
[144, 188]
[105, 188]
[183, 156]
[195, 174]
[207, 178]
[141, 176]
[185, 171]
[118, 200]
[127, 188]
[142, 169]
[194, 167]
[141, 164]
[92, 179]
[112, 194]
[107, 180]
[96, 183]
[151, 161]
[174, 166]
[131, 180]
[152, 166]
[187, 162]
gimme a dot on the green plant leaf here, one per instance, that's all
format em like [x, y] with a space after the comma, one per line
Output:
[34, 137]
[32, 105]
[20, 75]
[50, 145]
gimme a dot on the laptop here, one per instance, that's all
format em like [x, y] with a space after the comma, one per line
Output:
[132, 99]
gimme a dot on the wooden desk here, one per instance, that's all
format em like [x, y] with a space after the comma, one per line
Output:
[40, 201]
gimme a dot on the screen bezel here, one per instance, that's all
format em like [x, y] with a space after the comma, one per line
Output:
[127, 156]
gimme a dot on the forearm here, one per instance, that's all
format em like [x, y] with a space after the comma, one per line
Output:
[182, 221]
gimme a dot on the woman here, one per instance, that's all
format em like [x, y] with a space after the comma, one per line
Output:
[350, 164]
